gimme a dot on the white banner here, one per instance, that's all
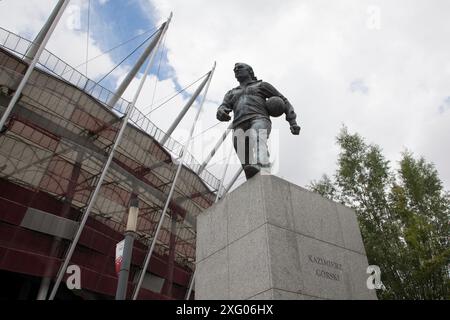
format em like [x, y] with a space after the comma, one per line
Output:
[119, 255]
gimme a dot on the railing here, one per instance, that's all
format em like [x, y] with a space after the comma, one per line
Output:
[49, 62]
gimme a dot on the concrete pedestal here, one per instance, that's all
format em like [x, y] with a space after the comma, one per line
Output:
[270, 239]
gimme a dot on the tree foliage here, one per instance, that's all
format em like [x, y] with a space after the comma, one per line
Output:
[403, 216]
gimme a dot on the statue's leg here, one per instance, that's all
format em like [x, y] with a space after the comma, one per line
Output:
[241, 144]
[261, 130]
[245, 141]
[250, 143]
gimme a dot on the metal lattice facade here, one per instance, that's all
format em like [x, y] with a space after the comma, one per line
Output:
[59, 136]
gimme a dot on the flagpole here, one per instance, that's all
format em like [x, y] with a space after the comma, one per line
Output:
[172, 189]
[74, 243]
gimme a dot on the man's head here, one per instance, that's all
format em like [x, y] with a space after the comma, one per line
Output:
[243, 72]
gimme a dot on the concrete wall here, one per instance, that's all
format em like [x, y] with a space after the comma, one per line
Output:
[270, 239]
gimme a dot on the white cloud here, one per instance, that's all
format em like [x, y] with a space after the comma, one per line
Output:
[24, 17]
[312, 52]
[69, 38]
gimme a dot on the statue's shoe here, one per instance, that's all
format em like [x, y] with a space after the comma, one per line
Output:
[251, 171]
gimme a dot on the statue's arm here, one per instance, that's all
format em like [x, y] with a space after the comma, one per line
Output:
[225, 108]
[291, 117]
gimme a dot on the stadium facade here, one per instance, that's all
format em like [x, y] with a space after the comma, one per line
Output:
[52, 151]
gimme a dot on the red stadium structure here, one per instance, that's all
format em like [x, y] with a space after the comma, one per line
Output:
[52, 151]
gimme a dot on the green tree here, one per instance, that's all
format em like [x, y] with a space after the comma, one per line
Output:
[403, 215]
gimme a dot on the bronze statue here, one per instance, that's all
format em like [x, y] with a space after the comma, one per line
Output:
[251, 123]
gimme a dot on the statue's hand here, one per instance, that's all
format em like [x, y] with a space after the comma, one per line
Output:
[295, 129]
[222, 115]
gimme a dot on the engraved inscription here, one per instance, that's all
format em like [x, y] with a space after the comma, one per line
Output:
[327, 263]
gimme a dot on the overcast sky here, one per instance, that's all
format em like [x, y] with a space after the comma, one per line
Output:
[382, 68]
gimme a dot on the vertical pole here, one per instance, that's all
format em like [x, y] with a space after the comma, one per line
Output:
[34, 47]
[183, 112]
[98, 186]
[33, 63]
[171, 262]
[130, 234]
[172, 189]
[214, 150]
[122, 285]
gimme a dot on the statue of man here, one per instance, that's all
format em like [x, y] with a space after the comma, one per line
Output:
[251, 123]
